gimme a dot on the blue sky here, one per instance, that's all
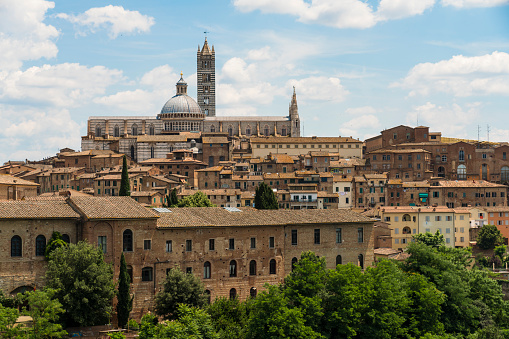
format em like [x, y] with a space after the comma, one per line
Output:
[358, 66]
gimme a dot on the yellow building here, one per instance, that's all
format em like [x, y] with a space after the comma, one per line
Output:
[407, 221]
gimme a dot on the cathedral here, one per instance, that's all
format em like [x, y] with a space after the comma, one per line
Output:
[182, 121]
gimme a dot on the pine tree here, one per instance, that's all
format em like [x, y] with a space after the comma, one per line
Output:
[125, 188]
[125, 301]
[265, 199]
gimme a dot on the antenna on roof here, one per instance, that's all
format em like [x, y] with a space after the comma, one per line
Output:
[488, 132]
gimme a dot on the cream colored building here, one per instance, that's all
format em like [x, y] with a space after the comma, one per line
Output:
[346, 147]
[407, 221]
[343, 186]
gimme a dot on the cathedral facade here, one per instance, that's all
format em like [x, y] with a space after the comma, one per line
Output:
[182, 121]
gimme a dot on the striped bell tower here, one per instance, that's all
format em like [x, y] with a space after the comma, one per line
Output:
[206, 73]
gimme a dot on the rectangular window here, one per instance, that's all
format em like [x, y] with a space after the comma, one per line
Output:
[231, 244]
[253, 242]
[189, 270]
[147, 244]
[428, 230]
[396, 231]
[339, 237]
[189, 245]
[396, 241]
[169, 246]
[101, 243]
[438, 218]
[212, 245]
[294, 237]
[360, 234]
[317, 236]
[447, 230]
[271, 242]
[448, 218]
[447, 240]
[427, 218]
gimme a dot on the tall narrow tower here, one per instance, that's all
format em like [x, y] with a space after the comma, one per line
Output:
[206, 73]
[294, 116]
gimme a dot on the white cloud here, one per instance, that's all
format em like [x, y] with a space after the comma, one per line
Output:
[360, 110]
[462, 76]
[474, 3]
[498, 134]
[36, 133]
[66, 84]
[398, 9]
[237, 70]
[258, 94]
[358, 125]
[264, 53]
[319, 88]
[451, 120]
[23, 34]
[116, 19]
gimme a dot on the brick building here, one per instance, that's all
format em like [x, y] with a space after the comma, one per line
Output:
[234, 251]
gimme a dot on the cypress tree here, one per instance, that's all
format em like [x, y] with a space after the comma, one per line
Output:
[265, 199]
[174, 200]
[125, 188]
[125, 302]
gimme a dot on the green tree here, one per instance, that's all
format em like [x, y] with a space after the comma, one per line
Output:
[56, 241]
[271, 317]
[179, 288]
[229, 317]
[489, 237]
[265, 199]
[45, 311]
[173, 199]
[500, 251]
[433, 240]
[125, 187]
[199, 199]
[125, 301]
[8, 317]
[84, 283]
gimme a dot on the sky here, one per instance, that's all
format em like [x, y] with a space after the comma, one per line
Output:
[358, 66]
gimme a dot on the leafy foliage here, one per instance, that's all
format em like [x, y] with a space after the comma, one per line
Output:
[84, 283]
[229, 317]
[45, 311]
[125, 301]
[173, 199]
[125, 187]
[8, 317]
[489, 237]
[265, 199]
[433, 240]
[199, 199]
[56, 241]
[179, 288]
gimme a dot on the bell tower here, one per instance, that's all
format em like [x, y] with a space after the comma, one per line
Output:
[206, 82]
[294, 116]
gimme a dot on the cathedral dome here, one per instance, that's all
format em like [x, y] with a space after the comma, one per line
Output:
[181, 103]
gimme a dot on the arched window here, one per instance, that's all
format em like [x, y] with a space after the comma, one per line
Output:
[339, 260]
[462, 172]
[146, 274]
[252, 292]
[441, 171]
[127, 241]
[151, 130]
[360, 261]
[266, 130]
[248, 130]
[207, 293]
[206, 270]
[233, 268]
[272, 266]
[230, 131]
[212, 129]
[407, 230]
[294, 261]
[132, 152]
[504, 174]
[461, 156]
[16, 246]
[233, 293]
[134, 130]
[406, 217]
[98, 131]
[484, 172]
[283, 131]
[252, 267]
[116, 132]
[66, 238]
[130, 273]
[40, 245]
[152, 152]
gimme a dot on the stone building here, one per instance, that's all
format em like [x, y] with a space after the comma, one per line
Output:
[182, 120]
[13, 188]
[234, 251]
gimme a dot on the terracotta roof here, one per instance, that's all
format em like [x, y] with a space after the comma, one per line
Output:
[215, 140]
[468, 183]
[306, 140]
[412, 209]
[211, 169]
[37, 209]
[340, 178]
[144, 193]
[282, 158]
[385, 251]
[423, 184]
[111, 208]
[217, 216]
[395, 151]
[497, 209]
[6, 179]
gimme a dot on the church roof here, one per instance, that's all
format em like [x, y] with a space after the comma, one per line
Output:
[181, 104]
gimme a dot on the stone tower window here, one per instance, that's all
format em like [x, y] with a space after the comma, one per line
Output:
[16, 246]
[206, 270]
[233, 293]
[233, 268]
[134, 130]
[116, 132]
[339, 260]
[151, 130]
[252, 267]
[98, 131]
[266, 130]
[272, 266]
[40, 245]
[127, 241]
